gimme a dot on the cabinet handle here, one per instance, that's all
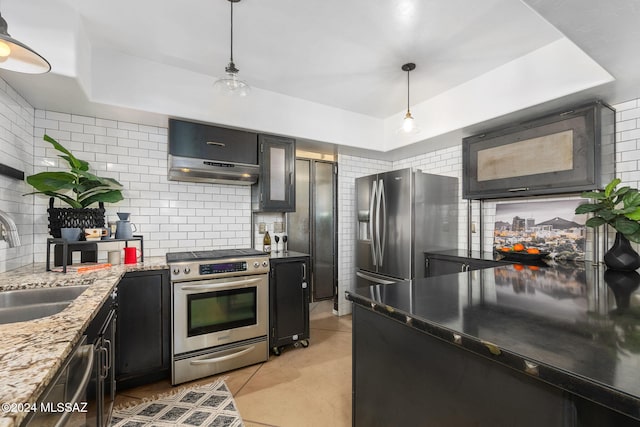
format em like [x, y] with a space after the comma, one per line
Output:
[304, 271]
[108, 353]
[104, 369]
[513, 190]
[218, 144]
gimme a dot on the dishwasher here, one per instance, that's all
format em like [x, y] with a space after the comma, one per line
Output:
[63, 401]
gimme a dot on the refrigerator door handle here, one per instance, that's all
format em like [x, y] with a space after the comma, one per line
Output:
[375, 279]
[383, 204]
[372, 236]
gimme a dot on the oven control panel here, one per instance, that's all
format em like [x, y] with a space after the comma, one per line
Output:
[196, 270]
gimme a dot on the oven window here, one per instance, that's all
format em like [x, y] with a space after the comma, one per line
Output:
[218, 311]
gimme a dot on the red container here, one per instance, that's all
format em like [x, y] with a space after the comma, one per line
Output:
[131, 255]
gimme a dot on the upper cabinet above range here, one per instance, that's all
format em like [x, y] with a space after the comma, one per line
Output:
[200, 152]
[276, 188]
[567, 151]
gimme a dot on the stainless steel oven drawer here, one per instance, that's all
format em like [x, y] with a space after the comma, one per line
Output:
[219, 359]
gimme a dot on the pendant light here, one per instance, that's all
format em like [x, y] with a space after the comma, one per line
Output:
[16, 56]
[408, 124]
[231, 84]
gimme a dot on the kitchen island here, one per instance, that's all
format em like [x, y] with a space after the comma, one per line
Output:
[31, 352]
[512, 345]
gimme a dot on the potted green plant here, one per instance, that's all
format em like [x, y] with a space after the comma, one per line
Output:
[76, 187]
[619, 208]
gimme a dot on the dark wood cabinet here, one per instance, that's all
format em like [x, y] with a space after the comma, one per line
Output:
[438, 265]
[143, 336]
[289, 302]
[276, 187]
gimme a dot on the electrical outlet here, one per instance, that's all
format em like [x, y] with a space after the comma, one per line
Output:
[262, 227]
[278, 227]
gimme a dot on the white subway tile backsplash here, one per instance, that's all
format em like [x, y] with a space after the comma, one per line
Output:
[54, 115]
[117, 133]
[106, 123]
[128, 126]
[83, 119]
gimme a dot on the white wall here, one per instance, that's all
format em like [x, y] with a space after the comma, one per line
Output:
[170, 215]
[16, 151]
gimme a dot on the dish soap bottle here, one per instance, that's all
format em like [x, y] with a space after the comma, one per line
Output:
[266, 242]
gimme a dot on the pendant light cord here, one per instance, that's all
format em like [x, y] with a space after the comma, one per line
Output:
[408, 71]
[231, 59]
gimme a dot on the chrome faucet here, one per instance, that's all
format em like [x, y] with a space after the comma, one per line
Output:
[8, 230]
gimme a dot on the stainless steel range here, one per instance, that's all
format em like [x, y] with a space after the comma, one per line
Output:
[220, 304]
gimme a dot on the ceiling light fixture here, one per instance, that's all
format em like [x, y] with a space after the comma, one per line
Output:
[408, 124]
[16, 56]
[231, 84]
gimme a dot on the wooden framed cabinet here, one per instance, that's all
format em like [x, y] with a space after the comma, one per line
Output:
[143, 337]
[289, 301]
[276, 187]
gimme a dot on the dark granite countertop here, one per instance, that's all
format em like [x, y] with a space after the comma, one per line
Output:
[288, 254]
[566, 325]
[461, 253]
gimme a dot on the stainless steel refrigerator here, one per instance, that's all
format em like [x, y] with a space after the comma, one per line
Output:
[400, 215]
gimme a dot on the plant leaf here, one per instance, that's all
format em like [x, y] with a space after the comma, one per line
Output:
[587, 207]
[52, 181]
[111, 196]
[593, 195]
[621, 191]
[596, 221]
[607, 215]
[610, 187]
[73, 162]
[635, 237]
[634, 216]
[631, 199]
[82, 164]
[626, 226]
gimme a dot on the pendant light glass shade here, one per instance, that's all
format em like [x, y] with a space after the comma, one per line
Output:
[16, 56]
[230, 84]
[408, 124]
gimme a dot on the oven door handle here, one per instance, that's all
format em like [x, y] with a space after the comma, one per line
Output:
[223, 358]
[225, 285]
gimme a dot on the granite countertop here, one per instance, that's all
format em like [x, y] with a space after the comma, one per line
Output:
[575, 327]
[32, 352]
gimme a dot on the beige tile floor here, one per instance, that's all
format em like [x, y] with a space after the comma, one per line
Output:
[303, 387]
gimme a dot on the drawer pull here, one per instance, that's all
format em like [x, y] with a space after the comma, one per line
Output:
[218, 144]
[531, 368]
[493, 349]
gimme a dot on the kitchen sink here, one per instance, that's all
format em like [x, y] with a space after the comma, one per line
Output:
[29, 304]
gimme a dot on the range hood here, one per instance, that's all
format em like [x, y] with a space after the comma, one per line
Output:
[203, 170]
[199, 152]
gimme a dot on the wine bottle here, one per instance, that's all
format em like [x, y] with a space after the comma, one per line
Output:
[266, 242]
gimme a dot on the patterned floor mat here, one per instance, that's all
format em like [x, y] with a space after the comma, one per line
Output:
[211, 405]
